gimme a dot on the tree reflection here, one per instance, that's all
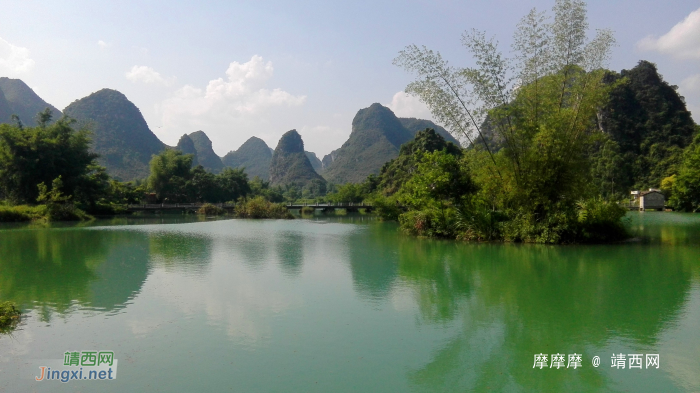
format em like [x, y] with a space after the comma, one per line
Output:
[513, 301]
[53, 269]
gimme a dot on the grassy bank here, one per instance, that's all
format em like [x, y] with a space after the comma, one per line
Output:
[48, 212]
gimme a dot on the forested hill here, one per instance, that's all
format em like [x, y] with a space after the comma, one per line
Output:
[254, 155]
[120, 134]
[22, 101]
[377, 134]
[206, 156]
[290, 165]
[648, 120]
[415, 125]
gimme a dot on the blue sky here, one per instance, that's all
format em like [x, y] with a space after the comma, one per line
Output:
[239, 69]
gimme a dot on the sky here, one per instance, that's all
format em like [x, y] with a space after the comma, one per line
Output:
[237, 69]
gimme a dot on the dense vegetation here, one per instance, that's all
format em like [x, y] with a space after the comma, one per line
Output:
[120, 135]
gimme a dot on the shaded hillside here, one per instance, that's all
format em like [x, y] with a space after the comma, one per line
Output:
[329, 158]
[206, 156]
[23, 102]
[376, 137]
[186, 146]
[120, 134]
[648, 120]
[414, 125]
[315, 162]
[5, 110]
[289, 162]
[254, 155]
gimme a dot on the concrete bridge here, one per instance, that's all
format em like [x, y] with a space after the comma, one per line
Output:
[182, 207]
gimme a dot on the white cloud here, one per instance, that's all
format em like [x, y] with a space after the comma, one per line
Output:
[231, 106]
[404, 105]
[14, 59]
[102, 44]
[146, 75]
[682, 41]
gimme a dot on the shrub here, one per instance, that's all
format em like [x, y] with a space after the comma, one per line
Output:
[260, 207]
[307, 210]
[211, 210]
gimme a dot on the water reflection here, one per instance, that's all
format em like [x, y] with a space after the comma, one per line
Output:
[513, 301]
[290, 252]
[54, 269]
[175, 251]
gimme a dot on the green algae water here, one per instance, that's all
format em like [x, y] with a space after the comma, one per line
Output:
[349, 305]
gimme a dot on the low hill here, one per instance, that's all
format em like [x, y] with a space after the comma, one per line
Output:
[23, 102]
[120, 134]
[377, 134]
[290, 165]
[254, 155]
[206, 156]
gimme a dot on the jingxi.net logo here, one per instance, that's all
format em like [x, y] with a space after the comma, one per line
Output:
[80, 366]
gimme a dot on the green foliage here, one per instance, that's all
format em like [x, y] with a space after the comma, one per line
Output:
[58, 207]
[259, 207]
[260, 187]
[685, 186]
[30, 156]
[173, 180]
[9, 316]
[348, 193]
[170, 171]
[397, 171]
[211, 210]
[386, 208]
[307, 210]
[21, 213]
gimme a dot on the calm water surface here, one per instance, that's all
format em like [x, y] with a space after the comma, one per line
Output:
[348, 305]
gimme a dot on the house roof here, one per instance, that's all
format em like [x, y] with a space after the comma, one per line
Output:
[649, 192]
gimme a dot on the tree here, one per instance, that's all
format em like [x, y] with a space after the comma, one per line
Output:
[170, 172]
[686, 186]
[30, 156]
[541, 104]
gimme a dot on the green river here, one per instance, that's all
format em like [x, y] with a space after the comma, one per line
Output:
[348, 304]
